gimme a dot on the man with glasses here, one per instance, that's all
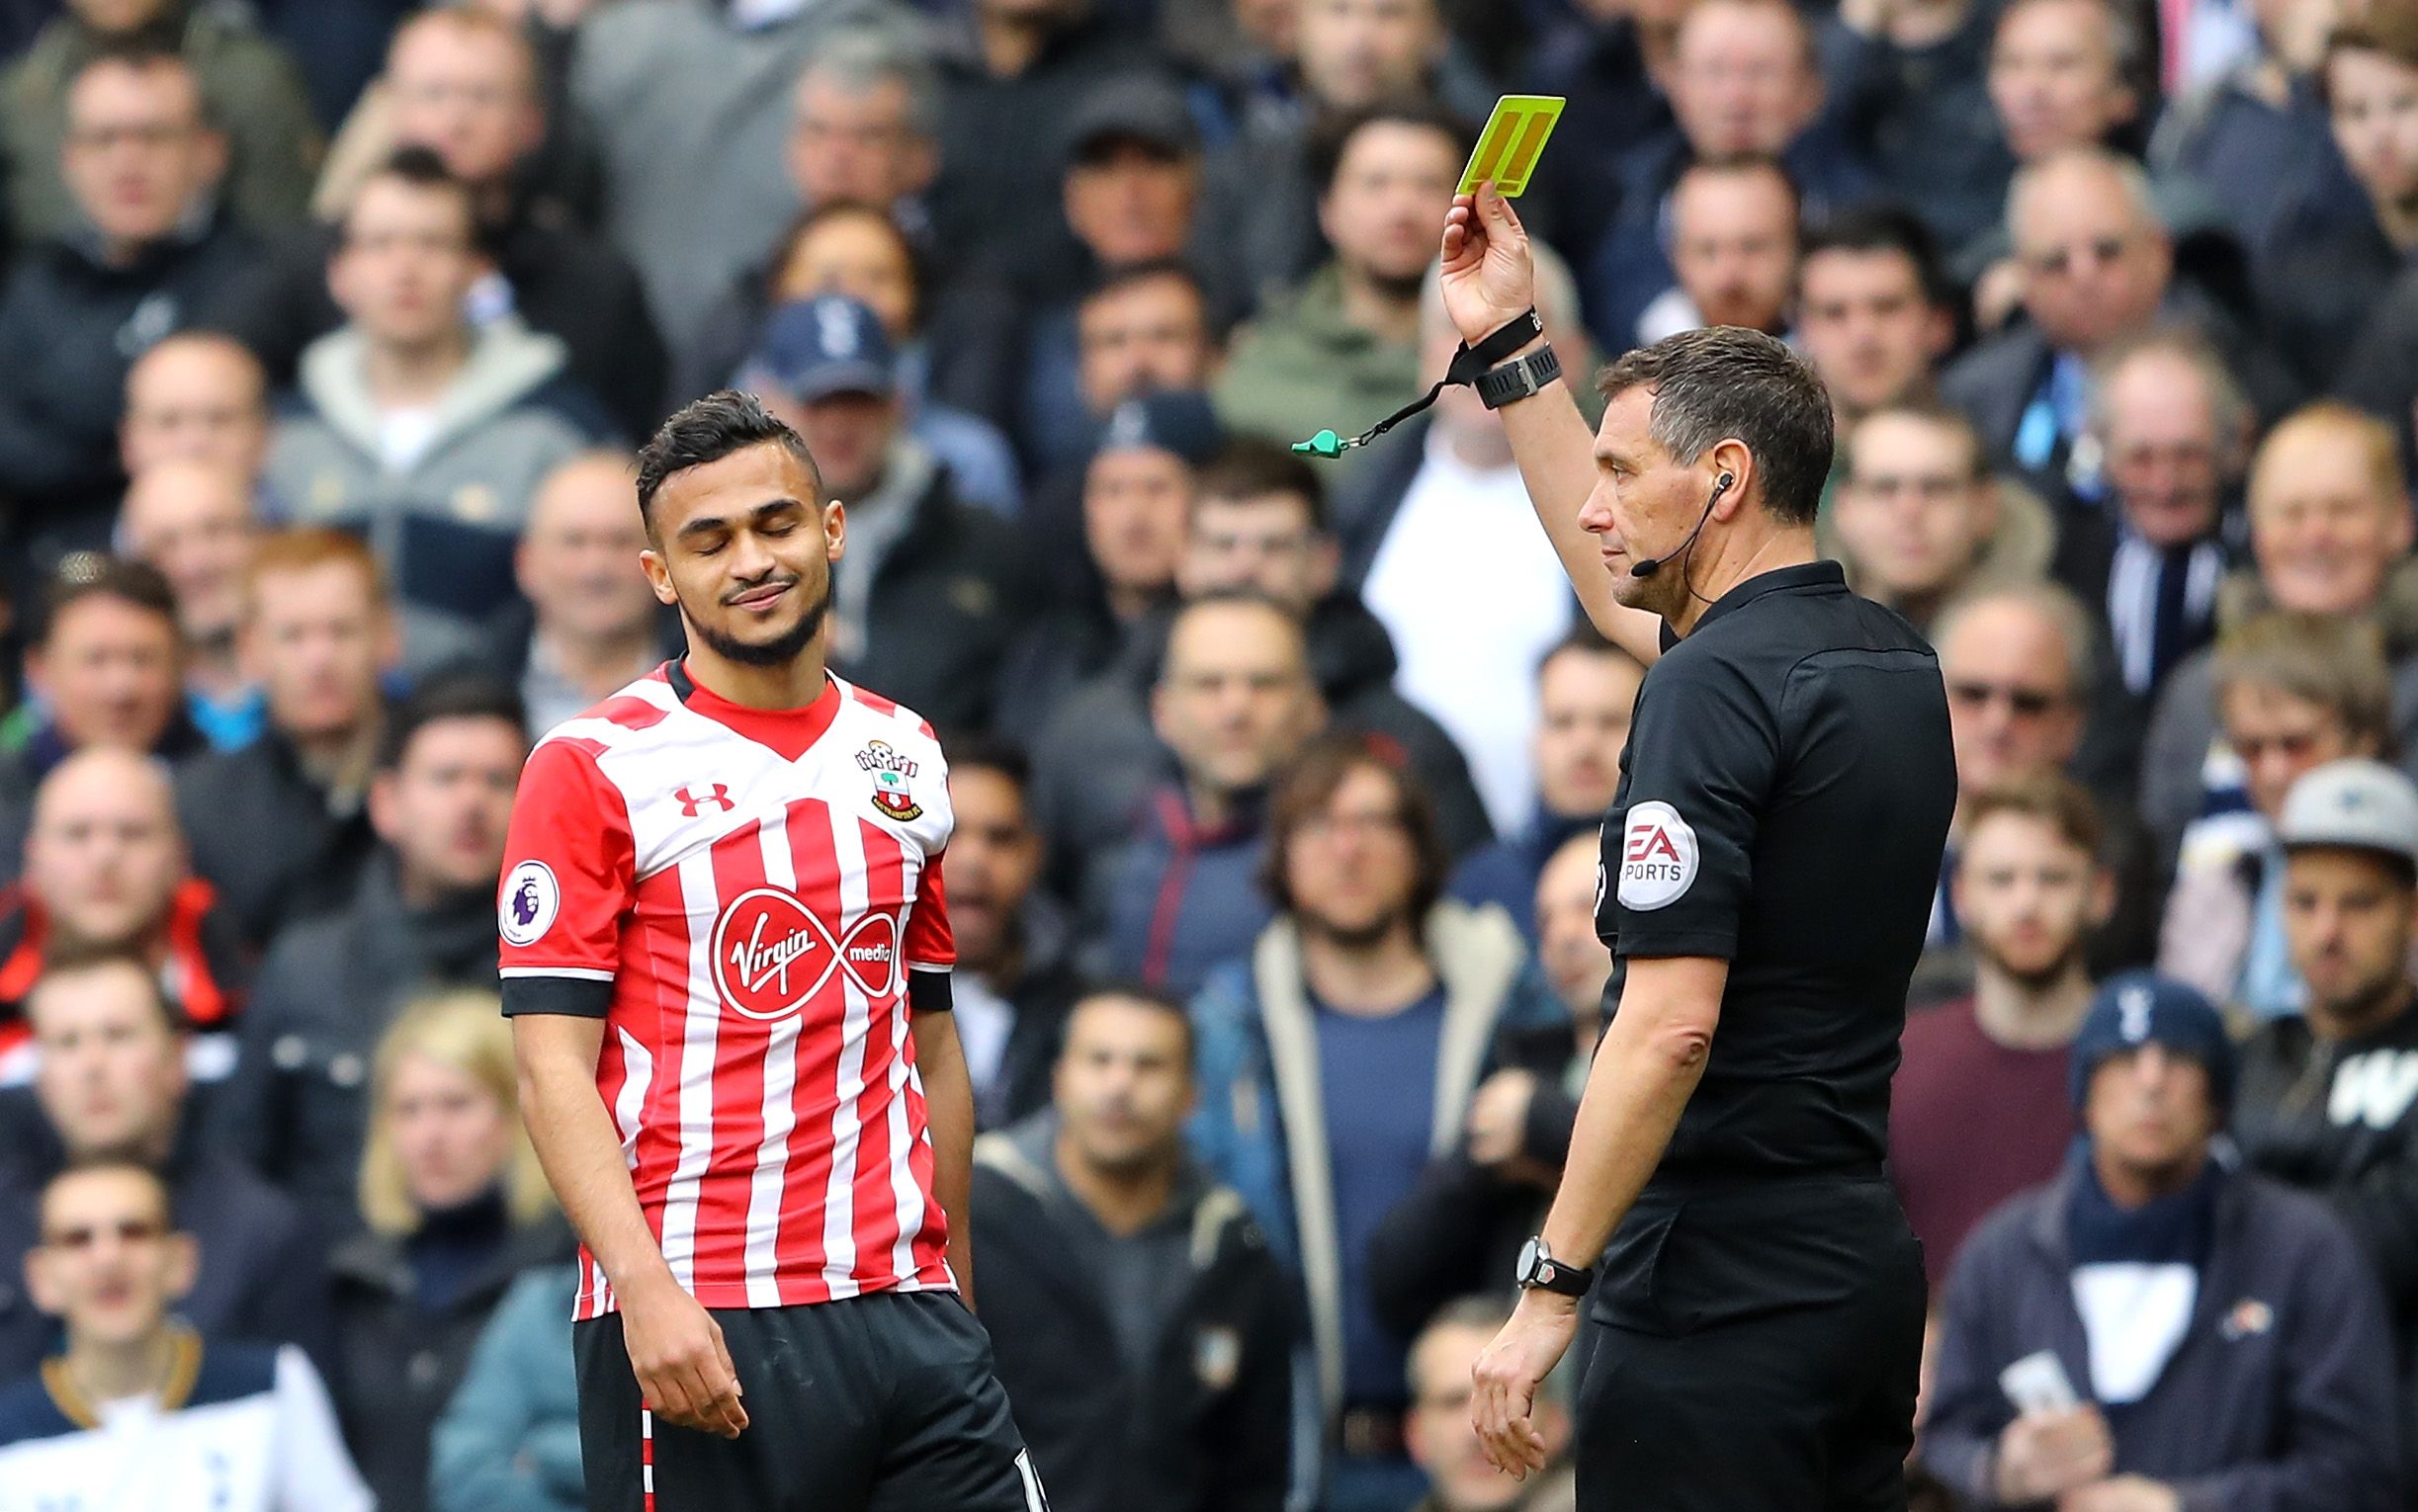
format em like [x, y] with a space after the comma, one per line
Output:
[153, 256]
[1921, 521]
[2019, 664]
[139, 1410]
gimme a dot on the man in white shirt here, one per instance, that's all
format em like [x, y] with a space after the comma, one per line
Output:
[139, 1415]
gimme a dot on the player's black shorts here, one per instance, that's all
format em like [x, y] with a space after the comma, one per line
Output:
[881, 1404]
[1754, 1349]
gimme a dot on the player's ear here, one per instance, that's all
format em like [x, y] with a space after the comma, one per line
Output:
[658, 577]
[835, 529]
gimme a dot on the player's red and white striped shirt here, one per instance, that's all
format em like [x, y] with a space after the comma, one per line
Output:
[747, 898]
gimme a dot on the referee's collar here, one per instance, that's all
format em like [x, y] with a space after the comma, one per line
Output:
[1805, 577]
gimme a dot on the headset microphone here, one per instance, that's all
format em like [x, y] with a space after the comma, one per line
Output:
[1654, 564]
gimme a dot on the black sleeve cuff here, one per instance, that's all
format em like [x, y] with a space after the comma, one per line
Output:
[579, 996]
[927, 989]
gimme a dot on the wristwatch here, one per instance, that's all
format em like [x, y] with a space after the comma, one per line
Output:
[1497, 386]
[1540, 1272]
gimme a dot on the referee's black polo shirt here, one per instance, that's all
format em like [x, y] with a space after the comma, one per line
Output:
[1784, 803]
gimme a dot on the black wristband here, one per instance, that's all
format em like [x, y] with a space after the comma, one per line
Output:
[1497, 386]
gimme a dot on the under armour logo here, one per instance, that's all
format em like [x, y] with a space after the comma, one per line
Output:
[692, 802]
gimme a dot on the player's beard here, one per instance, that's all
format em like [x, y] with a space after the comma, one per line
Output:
[780, 650]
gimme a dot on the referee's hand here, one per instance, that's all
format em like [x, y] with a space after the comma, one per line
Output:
[1509, 1374]
[1488, 274]
[683, 1368]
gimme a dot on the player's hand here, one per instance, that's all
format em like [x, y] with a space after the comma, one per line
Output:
[1488, 278]
[2124, 1493]
[1507, 1375]
[2045, 1455]
[1499, 1118]
[683, 1368]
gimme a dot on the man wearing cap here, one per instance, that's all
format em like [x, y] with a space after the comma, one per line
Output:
[925, 600]
[2329, 1100]
[2156, 1328]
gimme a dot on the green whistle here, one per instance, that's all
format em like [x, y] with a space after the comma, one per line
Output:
[1324, 443]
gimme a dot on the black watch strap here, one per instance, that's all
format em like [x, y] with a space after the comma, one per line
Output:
[1539, 1271]
[1497, 386]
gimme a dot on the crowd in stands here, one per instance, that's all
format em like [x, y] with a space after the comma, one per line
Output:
[327, 328]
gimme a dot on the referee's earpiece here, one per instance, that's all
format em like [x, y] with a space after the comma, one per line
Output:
[1654, 564]
[1722, 482]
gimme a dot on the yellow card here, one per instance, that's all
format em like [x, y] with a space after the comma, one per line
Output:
[1513, 141]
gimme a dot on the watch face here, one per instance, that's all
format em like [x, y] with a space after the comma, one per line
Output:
[1531, 1254]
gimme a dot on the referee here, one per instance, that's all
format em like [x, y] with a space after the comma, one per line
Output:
[1766, 874]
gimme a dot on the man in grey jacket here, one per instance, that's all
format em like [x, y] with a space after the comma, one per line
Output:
[2156, 1330]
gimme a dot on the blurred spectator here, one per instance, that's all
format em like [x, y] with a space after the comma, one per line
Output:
[2330, 534]
[1608, 58]
[1461, 1227]
[1013, 75]
[1442, 1437]
[422, 920]
[1585, 689]
[2097, 266]
[196, 397]
[1099, 1227]
[2325, 273]
[1743, 78]
[1912, 85]
[2222, 1335]
[1234, 701]
[586, 624]
[2018, 662]
[138, 1401]
[1978, 1110]
[943, 346]
[509, 1440]
[193, 521]
[1874, 312]
[412, 426]
[1733, 249]
[1920, 520]
[2174, 431]
[1015, 977]
[457, 1209]
[2062, 74]
[693, 106]
[102, 670]
[868, 115]
[1343, 349]
[105, 869]
[2330, 1097]
[113, 1085]
[1338, 1054]
[2254, 136]
[247, 85]
[2292, 692]
[148, 254]
[1440, 507]
[1142, 330]
[463, 82]
[924, 603]
[279, 828]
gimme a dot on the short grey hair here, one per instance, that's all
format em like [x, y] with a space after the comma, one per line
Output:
[2054, 604]
[1725, 382]
[860, 58]
[2129, 176]
[2229, 408]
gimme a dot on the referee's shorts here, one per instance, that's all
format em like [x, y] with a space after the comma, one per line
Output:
[880, 1403]
[1755, 1347]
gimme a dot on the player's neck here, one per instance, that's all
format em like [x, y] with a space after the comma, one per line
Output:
[792, 684]
[1757, 545]
[2015, 1015]
[1371, 979]
[1123, 1202]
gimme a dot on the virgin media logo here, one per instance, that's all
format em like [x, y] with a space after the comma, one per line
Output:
[771, 956]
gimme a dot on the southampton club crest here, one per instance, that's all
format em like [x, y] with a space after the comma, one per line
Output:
[890, 771]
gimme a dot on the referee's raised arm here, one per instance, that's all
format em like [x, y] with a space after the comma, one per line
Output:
[1489, 281]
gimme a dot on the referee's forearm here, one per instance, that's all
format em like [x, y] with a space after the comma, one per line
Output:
[580, 1152]
[1644, 1072]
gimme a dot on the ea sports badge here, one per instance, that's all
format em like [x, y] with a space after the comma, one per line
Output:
[1658, 857]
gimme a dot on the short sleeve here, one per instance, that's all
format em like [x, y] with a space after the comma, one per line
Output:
[932, 947]
[1703, 756]
[569, 872]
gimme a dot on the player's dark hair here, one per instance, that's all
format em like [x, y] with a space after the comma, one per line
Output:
[1252, 470]
[450, 696]
[1728, 383]
[85, 575]
[705, 431]
[1141, 995]
[979, 751]
[1330, 135]
[1311, 783]
[63, 957]
[1883, 228]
